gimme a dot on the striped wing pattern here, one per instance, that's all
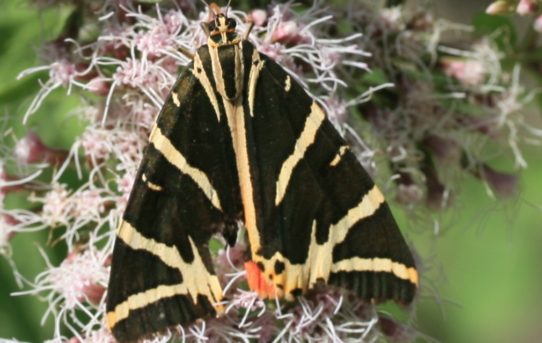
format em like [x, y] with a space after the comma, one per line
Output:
[239, 139]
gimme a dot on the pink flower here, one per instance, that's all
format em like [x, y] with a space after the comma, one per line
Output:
[93, 293]
[288, 33]
[63, 72]
[272, 50]
[124, 185]
[538, 24]
[79, 277]
[70, 287]
[144, 113]
[98, 86]
[56, 206]
[135, 73]
[99, 336]
[173, 21]
[95, 144]
[526, 7]
[154, 42]
[337, 110]
[468, 72]
[258, 17]
[88, 205]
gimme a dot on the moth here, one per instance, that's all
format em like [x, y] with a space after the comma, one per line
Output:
[238, 139]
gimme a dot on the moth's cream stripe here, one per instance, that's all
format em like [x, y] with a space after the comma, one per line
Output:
[174, 156]
[235, 116]
[197, 280]
[288, 83]
[140, 300]
[368, 205]
[296, 276]
[175, 98]
[342, 150]
[199, 73]
[256, 67]
[319, 260]
[306, 139]
[358, 264]
[151, 185]
[236, 122]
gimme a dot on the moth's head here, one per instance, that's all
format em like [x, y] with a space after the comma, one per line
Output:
[221, 28]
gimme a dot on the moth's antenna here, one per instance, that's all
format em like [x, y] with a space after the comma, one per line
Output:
[215, 8]
[228, 7]
[207, 6]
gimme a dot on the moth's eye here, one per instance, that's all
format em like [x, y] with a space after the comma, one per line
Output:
[232, 23]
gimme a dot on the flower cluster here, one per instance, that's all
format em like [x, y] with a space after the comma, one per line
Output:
[433, 105]
[78, 283]
[449, 105]
[123, 75]
[521, 7]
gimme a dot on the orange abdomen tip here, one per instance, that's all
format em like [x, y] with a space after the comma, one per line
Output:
[257, 281]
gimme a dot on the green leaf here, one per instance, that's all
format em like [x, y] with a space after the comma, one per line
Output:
[500, 27]
[375, 77]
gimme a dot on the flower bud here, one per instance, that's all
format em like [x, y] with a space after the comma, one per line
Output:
[258, 17]
[93, 293]
[538, 24]
[499, 7]
[502, 184]
[468, 72]
[525, 7]
[98, 86]
[287, 33]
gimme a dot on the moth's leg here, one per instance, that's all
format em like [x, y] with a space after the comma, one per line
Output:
[205, 28]
[250, 26]
[189, 54]
[230, 231]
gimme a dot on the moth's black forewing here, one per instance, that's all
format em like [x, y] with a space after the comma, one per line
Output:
[177, 211]
[176, 208]
[317, 192]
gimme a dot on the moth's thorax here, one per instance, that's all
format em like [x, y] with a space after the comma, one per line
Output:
[228, 69]
[225, 38]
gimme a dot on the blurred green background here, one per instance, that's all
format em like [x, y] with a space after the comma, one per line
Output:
[482, 274]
